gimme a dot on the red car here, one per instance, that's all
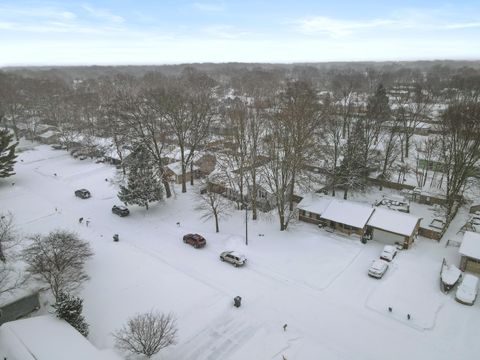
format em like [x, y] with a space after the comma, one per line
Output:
[196, 240]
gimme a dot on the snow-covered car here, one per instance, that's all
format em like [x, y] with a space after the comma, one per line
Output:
[233, 257]
[388, 253]
[82, 157]
[83, 193]
[120, 210]
[467, 290]
[377, 269]
[196, 240]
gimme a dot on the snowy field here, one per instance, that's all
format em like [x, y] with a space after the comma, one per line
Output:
[313, 281]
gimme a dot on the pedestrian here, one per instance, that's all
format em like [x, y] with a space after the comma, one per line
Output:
[54, 174]
[80, 220]
[87, 222]
[178, 224]
[106, 179]
[285, 327]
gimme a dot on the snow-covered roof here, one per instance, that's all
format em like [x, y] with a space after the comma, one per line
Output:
[176, 167]
[470, 245]
[46, 338]
[48, 134]
[393, 221]
[348, 213]
[314, 203]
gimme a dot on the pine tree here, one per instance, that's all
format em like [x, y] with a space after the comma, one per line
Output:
[143, 185]
[7, 153]
[69, 308]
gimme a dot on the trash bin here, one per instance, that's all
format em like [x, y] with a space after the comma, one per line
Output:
[237, 301]
[115, 237]
[364, 240]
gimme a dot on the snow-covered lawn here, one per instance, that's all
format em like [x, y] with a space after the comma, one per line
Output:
[313, 281]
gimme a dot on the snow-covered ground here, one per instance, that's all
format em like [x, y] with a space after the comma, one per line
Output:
[313, 281]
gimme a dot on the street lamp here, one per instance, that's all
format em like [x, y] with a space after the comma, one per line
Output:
[246, 224]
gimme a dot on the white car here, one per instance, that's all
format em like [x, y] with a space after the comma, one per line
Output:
[377, 269]
[467, 290]
[388, 253]
[233, 257]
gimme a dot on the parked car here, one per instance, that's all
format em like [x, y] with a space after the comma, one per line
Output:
[82, 157]
[120, 210]
[83, 193]
[233, 257]
[377, 269]
[57, 147]
[467, 290]
[388, 253]
[196, 240]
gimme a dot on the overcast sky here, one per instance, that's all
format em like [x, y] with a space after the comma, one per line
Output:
[166, 31]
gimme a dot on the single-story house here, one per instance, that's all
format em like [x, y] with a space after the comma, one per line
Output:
[347, 216]
[47, 338]
[470, 252]
[393, 227]
[174, 172]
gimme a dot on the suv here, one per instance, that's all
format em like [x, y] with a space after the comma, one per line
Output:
[196, 240]
[388, 253]
[120, 210]
[233, 258]
[83, 193]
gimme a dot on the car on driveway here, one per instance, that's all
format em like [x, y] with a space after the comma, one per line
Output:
[233, 257]
[120, 210]
[388, 253]
[196, 240]
[377, 269]
[83, 193]
[467, 290]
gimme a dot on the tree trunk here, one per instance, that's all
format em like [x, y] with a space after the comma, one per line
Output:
[345, 193]
[146, 205]
[184, 175]
[168, 192]
[283, 227]
[216, 222]
[191, 173]
[407, 145]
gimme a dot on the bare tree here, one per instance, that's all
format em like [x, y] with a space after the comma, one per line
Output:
[8, 236]
[146, 334]
[460, 148]
[390, 142]
[58, 260]
[213, 205]
[11, 277]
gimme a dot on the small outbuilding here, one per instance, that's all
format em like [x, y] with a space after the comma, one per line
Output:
[470, 252]
[393, 227]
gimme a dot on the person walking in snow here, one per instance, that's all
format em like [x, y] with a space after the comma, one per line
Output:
[80, 220]
[285, 327]
[87, 222]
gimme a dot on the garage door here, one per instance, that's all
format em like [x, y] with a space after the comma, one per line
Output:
[473, 266]
[387, 237]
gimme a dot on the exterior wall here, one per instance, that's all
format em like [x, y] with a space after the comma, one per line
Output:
[309, 217]
[349, 230]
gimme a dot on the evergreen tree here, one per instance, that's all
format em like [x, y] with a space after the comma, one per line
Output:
[7, 153]
[143, 185]
[69, 308]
